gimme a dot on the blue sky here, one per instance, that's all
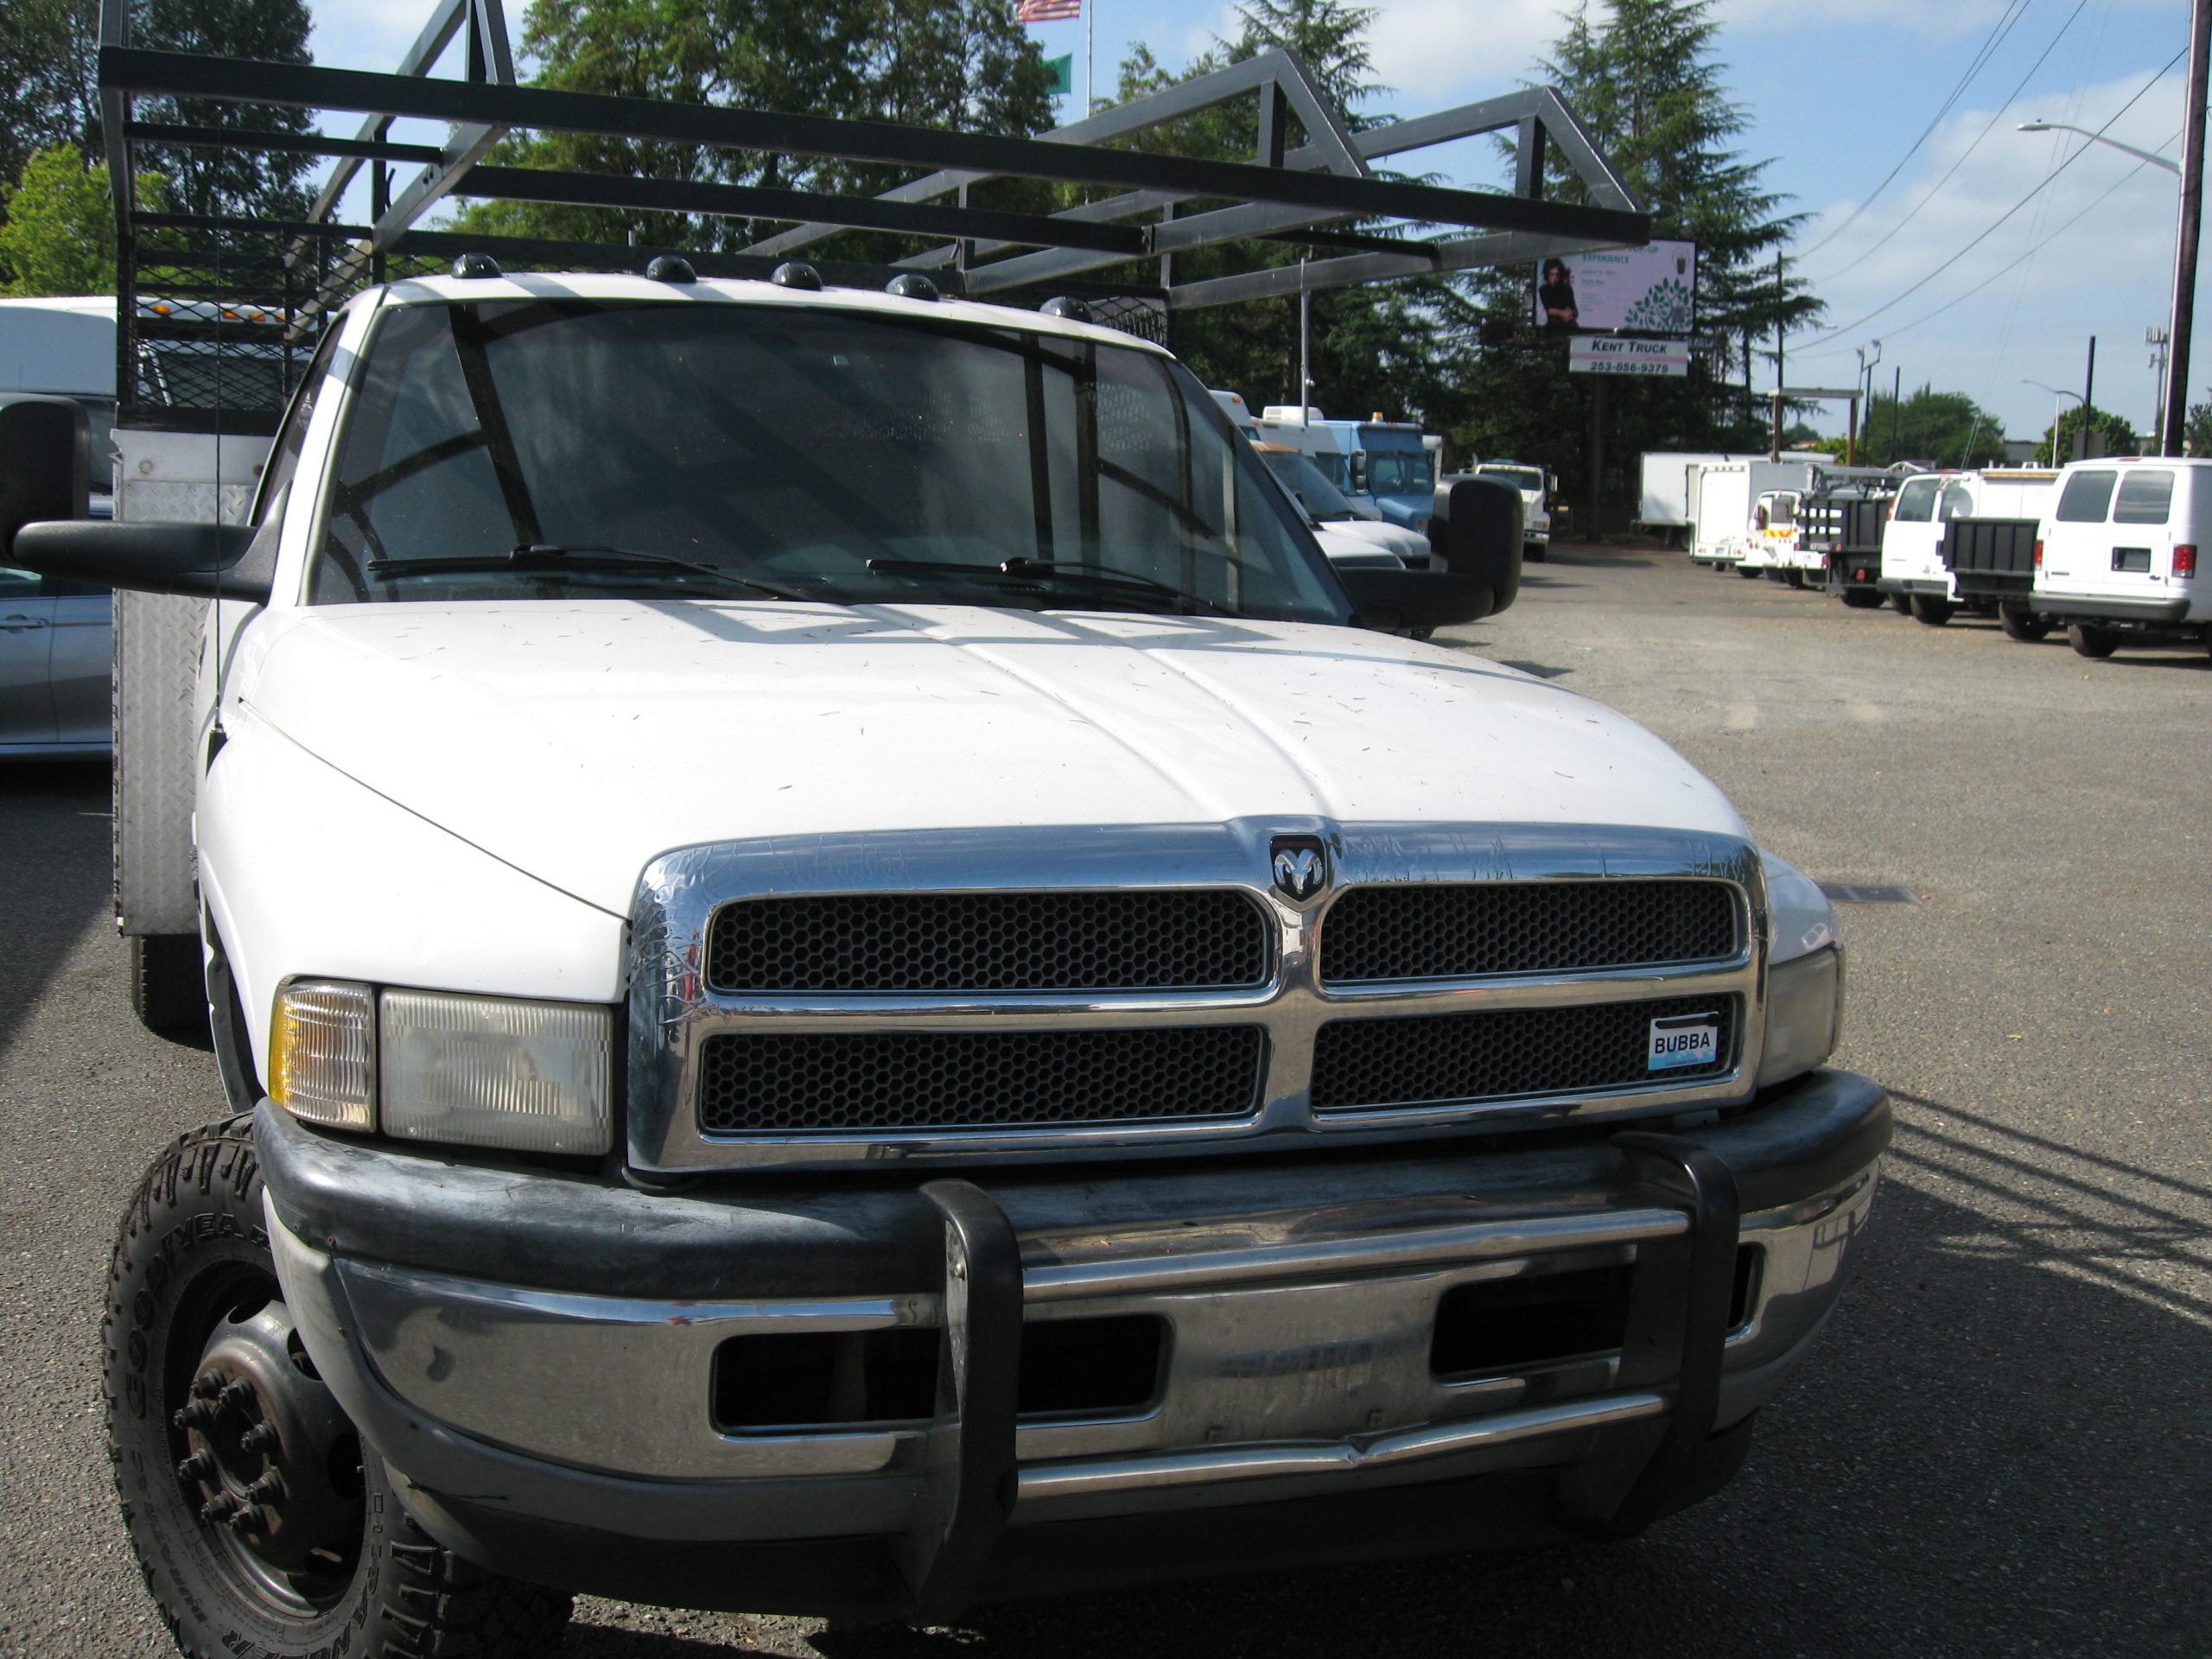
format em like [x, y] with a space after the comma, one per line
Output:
[1836, 91]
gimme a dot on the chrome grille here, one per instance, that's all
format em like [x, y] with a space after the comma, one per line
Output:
[1499, 1055]
[801, 1083]
[1473, 930]
[1190, 940]
[853, 1001]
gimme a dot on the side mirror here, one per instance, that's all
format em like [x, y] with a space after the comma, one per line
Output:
[1420, 600]
[1476, 526]
[47, 444]
[203, 561]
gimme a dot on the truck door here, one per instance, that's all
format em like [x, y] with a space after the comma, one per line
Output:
[2142, 543]
[26, 656]
[2078, 544]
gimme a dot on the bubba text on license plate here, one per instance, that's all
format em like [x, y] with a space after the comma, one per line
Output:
[1683, 1039]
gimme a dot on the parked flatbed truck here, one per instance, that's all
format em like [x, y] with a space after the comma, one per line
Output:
[853, 979]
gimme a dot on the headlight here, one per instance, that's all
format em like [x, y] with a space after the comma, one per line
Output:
[1804, 1013]
[431, 1065]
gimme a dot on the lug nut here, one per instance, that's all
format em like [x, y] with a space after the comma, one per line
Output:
[239, 1393]
[198, 1466]
[217, 1508]
[262, 1437]
[193, 1415]
[245, 1518]
[271, 1484]
[207, 1385]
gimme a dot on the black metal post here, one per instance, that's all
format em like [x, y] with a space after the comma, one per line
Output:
[2089, 390]
[2188, 221]
[1896, 402]
[1597, 531]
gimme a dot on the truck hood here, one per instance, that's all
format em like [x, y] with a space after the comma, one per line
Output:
[578, 741]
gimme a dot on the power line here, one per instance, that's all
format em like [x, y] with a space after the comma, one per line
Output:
[2003, 270]
[1999, 30]
[1996, 115]
[2038, 190]
[2032, 252]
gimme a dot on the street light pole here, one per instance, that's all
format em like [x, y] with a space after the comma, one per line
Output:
[2057, 409]
[2190, 215]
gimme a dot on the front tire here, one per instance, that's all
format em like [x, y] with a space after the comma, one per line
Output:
[2092, 642]
[260, 1525]
[1932, 610]
[2024, 626]
[1900, 603]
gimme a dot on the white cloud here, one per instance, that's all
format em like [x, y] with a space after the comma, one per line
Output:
[1428, 51]
[2107, 275]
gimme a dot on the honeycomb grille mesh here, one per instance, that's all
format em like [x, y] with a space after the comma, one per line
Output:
[988, 942]
[1361, 1063]
[1427, 931]
[801, 1083]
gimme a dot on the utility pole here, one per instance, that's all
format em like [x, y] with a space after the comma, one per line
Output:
[2089, 387]
[2155, 338]
[1774, 445]
[1896, 401]
[2190, 216]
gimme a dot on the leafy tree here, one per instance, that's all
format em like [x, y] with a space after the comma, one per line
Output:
[964, 64]
[2117, 431]
[59, 236]
[1936, 429]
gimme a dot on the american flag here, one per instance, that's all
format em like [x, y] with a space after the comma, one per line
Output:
[1047, 12]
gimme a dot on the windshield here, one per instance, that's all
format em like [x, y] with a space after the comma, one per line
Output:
[1311, 485]
[573, 448]
[1398, 472]
[1916, 501]
[1521, 478]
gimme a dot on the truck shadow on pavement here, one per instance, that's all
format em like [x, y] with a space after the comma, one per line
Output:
[53, 818]
[1998, 1447]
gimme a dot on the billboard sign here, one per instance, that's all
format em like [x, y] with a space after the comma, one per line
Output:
[1610, 354]
[1649, 290]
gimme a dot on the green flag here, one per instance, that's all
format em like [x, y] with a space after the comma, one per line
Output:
[1063, 73]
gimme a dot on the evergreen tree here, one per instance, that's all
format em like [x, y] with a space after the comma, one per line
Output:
[49, 95]
[1642, 77]
[226, 182]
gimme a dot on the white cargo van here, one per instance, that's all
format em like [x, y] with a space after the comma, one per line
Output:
[2118, 552]
[1914, 570]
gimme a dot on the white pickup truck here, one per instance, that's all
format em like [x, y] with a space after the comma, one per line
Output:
[853, 979]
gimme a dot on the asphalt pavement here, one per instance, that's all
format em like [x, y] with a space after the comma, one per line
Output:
[2003, 1444]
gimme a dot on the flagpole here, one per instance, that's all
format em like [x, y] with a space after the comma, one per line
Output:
[1089, 53]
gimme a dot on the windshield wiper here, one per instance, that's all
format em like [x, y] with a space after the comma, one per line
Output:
[547, 558]
[1099, 579]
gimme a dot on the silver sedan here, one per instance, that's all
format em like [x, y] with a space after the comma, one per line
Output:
[54, 647]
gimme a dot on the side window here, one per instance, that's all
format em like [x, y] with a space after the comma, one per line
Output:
[284, 453]
[1917, 504]
[2086, 496]
[1958, 503]
[2146, 496]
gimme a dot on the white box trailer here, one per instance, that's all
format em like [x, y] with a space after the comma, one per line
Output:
[1666, 503]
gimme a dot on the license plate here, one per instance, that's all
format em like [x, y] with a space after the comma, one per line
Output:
[1683, 1039]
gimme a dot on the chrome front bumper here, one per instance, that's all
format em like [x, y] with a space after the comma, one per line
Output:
[1298, 1362]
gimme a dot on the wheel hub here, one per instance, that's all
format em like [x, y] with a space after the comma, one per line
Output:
[270, 1458]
